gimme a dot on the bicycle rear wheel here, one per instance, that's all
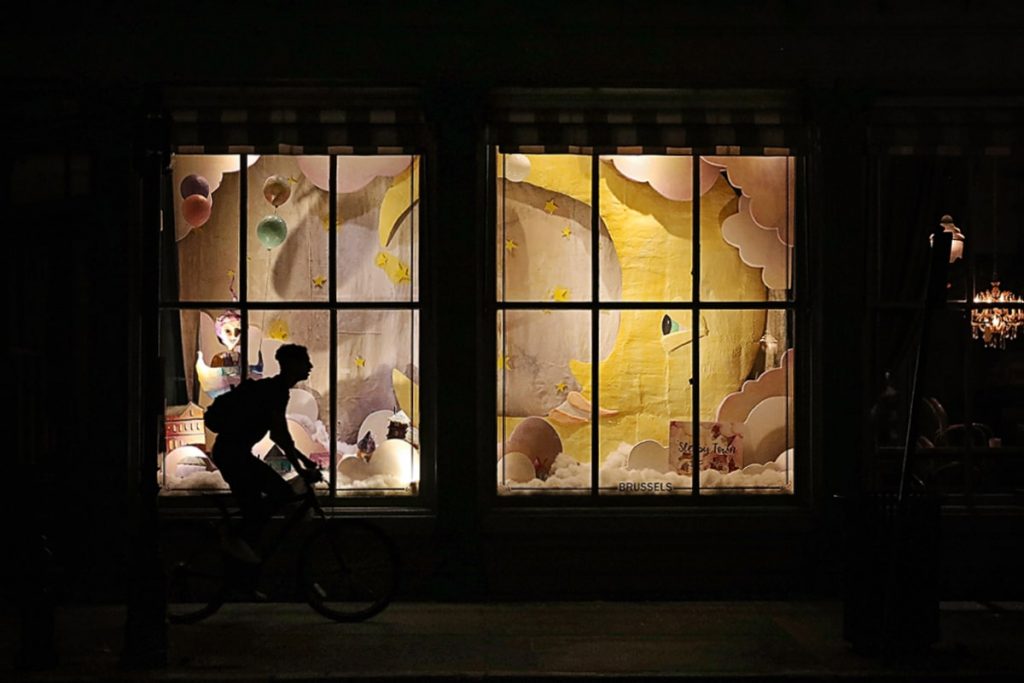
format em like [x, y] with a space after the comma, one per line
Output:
[348, 570]
[196, 573]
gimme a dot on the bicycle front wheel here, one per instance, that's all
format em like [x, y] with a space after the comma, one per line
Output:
[196, 572]
[349, 570]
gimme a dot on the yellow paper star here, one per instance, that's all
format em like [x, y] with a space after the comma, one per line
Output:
[550, 206]
[360, 362]
[510, 245]
[231, 273]
[324, 220]
[382, 259]
[561, 387]
[567, 232]
[319, 281]
[403, 274]
[278, 330]
[293, 181]
[560, 294]
[504, 362]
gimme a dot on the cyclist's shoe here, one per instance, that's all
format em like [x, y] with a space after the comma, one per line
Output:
[237, 549]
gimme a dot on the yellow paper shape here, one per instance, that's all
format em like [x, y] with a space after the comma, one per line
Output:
[398, 201]
[406, 389]
[278, 330]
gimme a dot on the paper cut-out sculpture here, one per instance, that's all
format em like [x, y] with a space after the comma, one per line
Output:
[224, 369]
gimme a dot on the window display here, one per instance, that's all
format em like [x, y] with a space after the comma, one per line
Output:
[223, 317]
[618, 284]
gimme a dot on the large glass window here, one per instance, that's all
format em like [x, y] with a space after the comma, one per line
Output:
[645, 323]
[970, 428]
[330, 247]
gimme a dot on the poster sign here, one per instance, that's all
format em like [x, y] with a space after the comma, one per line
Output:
[720, 443]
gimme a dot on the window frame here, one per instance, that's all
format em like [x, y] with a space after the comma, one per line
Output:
[393, 120]
[799, 306]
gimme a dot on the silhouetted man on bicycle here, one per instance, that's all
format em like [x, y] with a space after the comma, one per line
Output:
[258, 488]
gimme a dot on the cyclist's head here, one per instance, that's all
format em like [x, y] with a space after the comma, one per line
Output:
[294, 361]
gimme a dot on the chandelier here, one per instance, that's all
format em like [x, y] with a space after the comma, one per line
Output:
[995, 325]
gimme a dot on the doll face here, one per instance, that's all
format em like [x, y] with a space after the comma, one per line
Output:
[229, 331]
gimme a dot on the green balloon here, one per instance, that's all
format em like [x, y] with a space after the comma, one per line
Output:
[271, 231]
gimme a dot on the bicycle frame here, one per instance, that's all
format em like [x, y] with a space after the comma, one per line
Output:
[308, 502]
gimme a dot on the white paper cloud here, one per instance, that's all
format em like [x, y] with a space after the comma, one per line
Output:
[759, 247]
[668, 175]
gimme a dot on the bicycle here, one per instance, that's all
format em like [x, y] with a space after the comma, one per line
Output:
[347, 569]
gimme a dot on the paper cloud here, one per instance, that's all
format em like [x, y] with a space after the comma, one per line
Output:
[759, 247]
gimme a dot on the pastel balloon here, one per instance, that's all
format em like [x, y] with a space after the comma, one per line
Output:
[194, 184]
[517, 167]
[317, 170]
[355, 173]
[276, 190]
[271, 231]
[196, 210]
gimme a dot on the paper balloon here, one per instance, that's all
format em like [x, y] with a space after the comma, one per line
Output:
[196, 210]
[354, 173]
[194, 184]
[277, 190]
[317, 170]
[517, 167]
[271, 231]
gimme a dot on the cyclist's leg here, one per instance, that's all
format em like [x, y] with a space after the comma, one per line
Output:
[277, 491]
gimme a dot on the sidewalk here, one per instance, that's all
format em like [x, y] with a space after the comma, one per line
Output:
[694, 640]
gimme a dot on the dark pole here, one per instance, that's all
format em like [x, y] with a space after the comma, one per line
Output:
[938, 262]
[145, 635]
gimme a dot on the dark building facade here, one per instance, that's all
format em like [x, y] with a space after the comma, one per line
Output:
[885, 116]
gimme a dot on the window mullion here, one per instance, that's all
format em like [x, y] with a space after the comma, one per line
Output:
[695, 324]
[332, 333]
[595, 313]
[243, 261]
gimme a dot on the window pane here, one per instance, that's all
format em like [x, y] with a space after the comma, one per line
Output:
[915, 193]
[645, 384]
[746, 408]
[996, 425]
[543, 379]
[747, 217]
[199, 240]
[378, 383]
[646, 207]
[307, 410]
[200, 350]
[544, 229]
[378, 226]
[287, 238]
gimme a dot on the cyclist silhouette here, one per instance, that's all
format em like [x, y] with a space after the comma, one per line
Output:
[258, 488]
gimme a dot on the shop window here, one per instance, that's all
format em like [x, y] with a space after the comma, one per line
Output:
[258, 251]
[970, 439]
[645, 323]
